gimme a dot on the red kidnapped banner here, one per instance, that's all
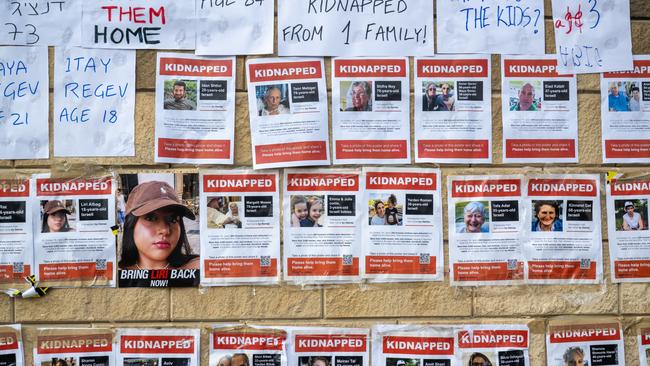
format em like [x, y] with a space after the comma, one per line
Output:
[630, 188]
[247, 341]
[486, 188]
[330, 342]
[322, 182]
[75, 343]
[156, 344]
[645, 336]
[584, 333]
[401, 180]
[492, 338]
[562, 187]
[8, 341]
[239, 183]
[14, 188]
[531, 68]
[278, 71]
[418, 345]
[452, 68]
[192, 67]
[370, 68]
[641, 70]
[73, 187]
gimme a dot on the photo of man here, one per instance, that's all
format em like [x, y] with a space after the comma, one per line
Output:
[617, 100]
[631, 214]
[273, 102]
[446, 99]
[178, 96]
[525, 99]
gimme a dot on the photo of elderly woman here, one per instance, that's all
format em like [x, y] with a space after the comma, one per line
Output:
[161, 229]
[358, 97]
[224, 212]
[631, 214]
[472, 217]
[547, 216]
[58, 216]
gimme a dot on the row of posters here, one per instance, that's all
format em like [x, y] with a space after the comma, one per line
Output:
[222, 227]
[94, 104]
[572, 341]
[331, 28]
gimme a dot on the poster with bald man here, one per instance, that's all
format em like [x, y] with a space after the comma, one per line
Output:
[287, 103]
[370, 111]
[540, 111]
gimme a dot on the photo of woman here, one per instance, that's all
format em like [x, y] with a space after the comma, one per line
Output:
[55, 217]
[154, 235]
[546, 216]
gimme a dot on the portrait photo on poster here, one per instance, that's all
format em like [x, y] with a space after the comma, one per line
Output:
[159, 241]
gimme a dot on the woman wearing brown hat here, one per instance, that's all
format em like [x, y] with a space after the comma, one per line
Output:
[154, 235]
[55, 218]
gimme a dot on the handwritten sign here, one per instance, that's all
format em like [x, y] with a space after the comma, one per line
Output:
[24, 103]
[131, 24]
[592, 36]
[355, 28]
[224, 24]
[40, 22]
[497, 26]
[94, 101]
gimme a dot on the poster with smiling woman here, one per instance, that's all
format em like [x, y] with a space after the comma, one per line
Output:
[159, 230]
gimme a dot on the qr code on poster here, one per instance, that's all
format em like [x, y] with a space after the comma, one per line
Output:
[347, 260]
[265, 260]
[425, 258]
[512, 264]
[19, 267]
[100, 264]
[585, 263]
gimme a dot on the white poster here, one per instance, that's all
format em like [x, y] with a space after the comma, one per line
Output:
[493, 344]
[158, 346]
[643, 341]
[234, 27]
[11, 350]
[497, 26]
[486, 221]
[316, 346]
[355, 28]
[627, 228]
[138, 24]
[243, 345]
[74, 346]
[195, 109]
[584, 342]
[625, 113]
[287, 103]
[322, 215]
[453, 109]
[40, 22]
[563, 229]
[402, 225]
[413, 345]
[370, 111]
[17, 235]
[24, 103]
[94, 102]
[240, 232]
[592, 36]
[74, 244]
[540, 111]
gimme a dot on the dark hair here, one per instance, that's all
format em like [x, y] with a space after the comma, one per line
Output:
[61, 361]
[392, 199]
[566, 357]
[554, 204]
[634, 88]
[377, 202]
[479, 354]
[129, 256]
[180, 83]
[241, 355]
[313, 360]
[46, 228]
